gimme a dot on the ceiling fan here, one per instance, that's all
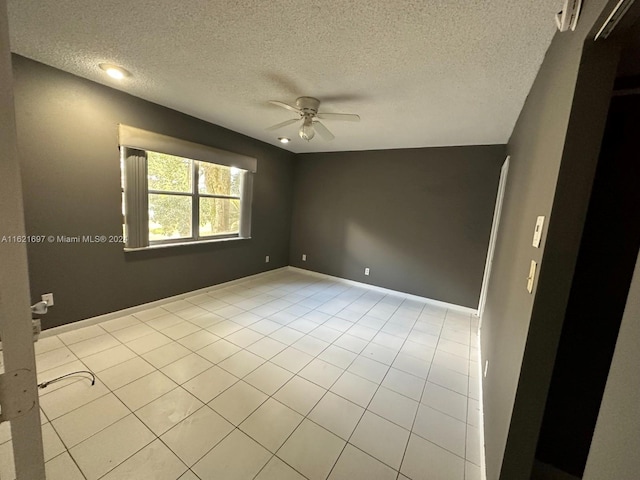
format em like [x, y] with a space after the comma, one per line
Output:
[307, 109]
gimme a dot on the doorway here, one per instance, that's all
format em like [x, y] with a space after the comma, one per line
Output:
[603, 273]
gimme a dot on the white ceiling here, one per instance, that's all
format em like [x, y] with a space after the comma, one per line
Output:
[419, 72]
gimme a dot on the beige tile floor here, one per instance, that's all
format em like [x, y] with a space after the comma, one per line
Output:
[283, 376]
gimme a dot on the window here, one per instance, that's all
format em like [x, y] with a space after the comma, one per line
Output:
[172, 198]
[189, 199]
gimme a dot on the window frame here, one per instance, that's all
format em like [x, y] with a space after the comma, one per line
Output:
[195, 205]
[135, 145]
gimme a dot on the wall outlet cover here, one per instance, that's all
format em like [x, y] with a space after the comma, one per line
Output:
[304, 257]
[48, 297]
[266, 259]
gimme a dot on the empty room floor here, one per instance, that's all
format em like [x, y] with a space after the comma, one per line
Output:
[280, 376]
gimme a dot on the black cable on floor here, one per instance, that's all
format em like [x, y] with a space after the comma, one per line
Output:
[62, 377]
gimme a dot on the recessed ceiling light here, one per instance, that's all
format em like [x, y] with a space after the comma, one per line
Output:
[284, 139]
[114, 71]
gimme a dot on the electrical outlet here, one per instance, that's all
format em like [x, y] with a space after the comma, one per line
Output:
[266, 259]
[304, 257]
[48, 297]
[486, 367]
[366, 271]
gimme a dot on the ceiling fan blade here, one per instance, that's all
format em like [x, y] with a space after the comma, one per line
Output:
[285, 105]
[349, 117]
[323, 131]
[283, 124]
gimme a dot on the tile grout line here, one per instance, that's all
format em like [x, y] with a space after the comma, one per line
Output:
[68, 449]
[327, 390]
[306, 416]
[373, 396]
[333, 297]
[131, 412]
[237, 427]
[420, 403]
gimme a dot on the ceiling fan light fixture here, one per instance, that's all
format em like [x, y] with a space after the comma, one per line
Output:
[307, 110]
[306, 130]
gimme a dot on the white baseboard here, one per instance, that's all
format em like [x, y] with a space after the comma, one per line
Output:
[437, 303]
[157, 303]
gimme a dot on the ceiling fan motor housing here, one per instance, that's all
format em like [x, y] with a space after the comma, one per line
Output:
[308, 105]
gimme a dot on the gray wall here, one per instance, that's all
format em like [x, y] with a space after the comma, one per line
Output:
[420, 219]
[67, 136]
[554, 150]
[614, 448]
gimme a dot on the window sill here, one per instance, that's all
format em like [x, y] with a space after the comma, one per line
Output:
[184, 244]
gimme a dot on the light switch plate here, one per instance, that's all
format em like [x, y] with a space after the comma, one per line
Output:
[537, 233]
[532, 276]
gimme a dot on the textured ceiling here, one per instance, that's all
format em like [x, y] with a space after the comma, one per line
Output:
[419, 73]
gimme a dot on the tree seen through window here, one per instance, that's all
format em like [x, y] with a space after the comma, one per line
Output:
[175, 196]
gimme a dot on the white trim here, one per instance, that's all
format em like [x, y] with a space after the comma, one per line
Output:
[157, 303]
[137, 308]
[502, 186]
[483, 461]
[25, 450]
[388, 291]
[154, 246]
[134, 137]
[613, 19]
